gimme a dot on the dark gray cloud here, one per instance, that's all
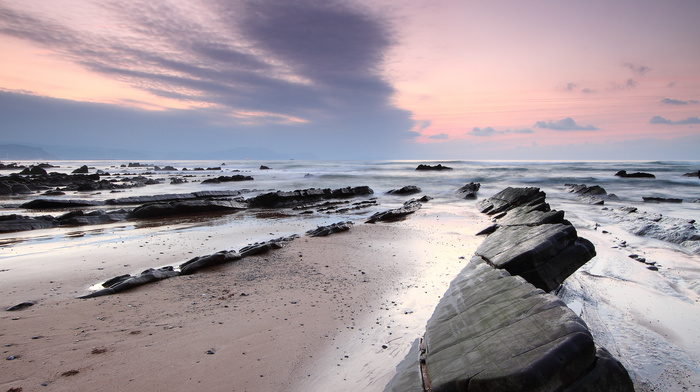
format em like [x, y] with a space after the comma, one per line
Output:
[566, 124]
[669, 101]
[637, 69]
[311, 66]
[685, 121]
[489, 131]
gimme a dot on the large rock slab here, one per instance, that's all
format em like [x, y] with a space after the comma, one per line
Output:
[545, 254]
[396, 214]
[496, 332]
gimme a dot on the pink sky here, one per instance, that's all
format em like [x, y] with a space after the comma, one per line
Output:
[469, 74]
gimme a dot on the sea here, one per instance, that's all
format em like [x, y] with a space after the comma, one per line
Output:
[649, 319]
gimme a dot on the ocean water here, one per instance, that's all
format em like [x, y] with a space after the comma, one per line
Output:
[649, 319]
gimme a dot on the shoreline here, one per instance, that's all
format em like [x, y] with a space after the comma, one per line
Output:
[284, 309]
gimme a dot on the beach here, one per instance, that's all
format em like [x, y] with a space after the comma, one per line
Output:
[337, 312]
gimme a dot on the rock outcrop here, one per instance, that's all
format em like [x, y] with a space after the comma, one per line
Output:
[624, 174]
[290, 199]
[469, 191]
[183, 207]
[592, 195]
[396, 214]
[496, 329]
[407, 190]
[323, 231]
[437, 167]
[234, 178]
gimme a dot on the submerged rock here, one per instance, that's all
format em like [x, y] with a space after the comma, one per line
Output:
[624, 174]
[437, 167]
[407, 190]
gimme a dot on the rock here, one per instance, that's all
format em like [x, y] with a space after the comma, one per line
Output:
[42, 204]
[511, 198]
[695, 174]
[290, 199]
[13, 223]
[237, 177]
[81, 170]
[20, 306]
[407, 190]
[263, 167]
[396, 214]
[495, 332]
[170, 197]
[182, 207]
[661, 200]
[80, 218]
[323, 231]
[200, 262]
[624, 174]
[437, 167]
[588, 195]
[128, 282]
[33, 171]
[469, 191]
[681, 231]
[545, 255]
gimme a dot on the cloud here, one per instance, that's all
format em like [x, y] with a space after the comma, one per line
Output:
[685, 121]
[424, 125]
[669, 101]
[318, 63]
[566, 124]
[637, 69]
[571, 86]
[489, 131]
[439, 136]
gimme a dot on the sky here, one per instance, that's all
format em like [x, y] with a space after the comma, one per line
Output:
[379, 79]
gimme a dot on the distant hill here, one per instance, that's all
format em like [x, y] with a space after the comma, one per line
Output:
[21, 152]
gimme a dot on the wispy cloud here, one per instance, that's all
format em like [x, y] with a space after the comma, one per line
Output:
[685, 121]
[439, 136]
[489, 131]
[566, 124]
[669, 101]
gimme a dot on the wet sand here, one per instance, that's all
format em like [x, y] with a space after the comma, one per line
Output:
[338, 311]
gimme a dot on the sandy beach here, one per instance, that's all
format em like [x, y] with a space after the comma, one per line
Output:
[339, 311]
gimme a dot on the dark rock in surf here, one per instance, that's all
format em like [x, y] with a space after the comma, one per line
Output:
[81, 170]
[591, 195]
[469, 191]
[692, 174]
[234, 178]
[81, 218]
[407, 190]
[437, 167]
[290, 199]
[33, 171]
[661, 200]
[263, 167]
[624, 174]
[510, 198]
[396, 214]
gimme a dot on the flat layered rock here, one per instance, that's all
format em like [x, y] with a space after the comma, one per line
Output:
[496, 332]
[510, 198]
[396, 214]
[41, 204]
[545, 254]
[197, 206]
[290, 199]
